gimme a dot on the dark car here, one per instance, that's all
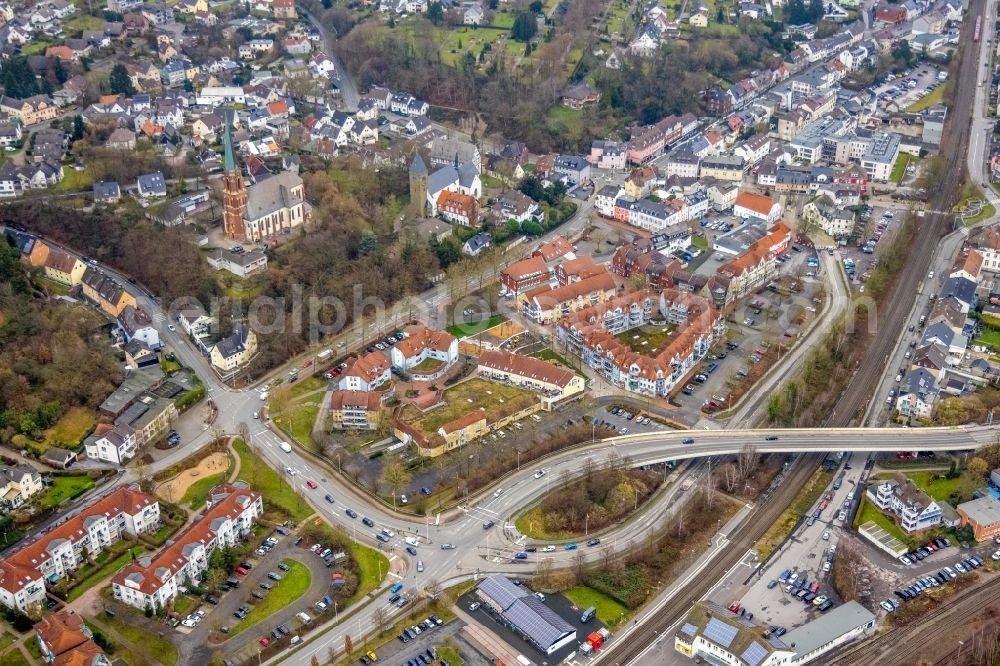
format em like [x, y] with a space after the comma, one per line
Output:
[593, 542]
[265, 585]
[246, 565]
[368, 521]
[411, 550]
[212, 599]
[530, 549]
[257, 594]
[283, 566]
[329, 498]
[488, 524]
[351, 513]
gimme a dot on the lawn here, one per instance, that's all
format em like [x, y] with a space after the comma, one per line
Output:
[939, 489]
[6, 639]
[869, 512]
[899, 168]
[646, 339]
[450, 655]
[297, 421]
[699, 242]
[609, 611]
[969, 192]
[549, 355]
[14, 658]
[465, 330]
[75, 181]
[503, 19]
[70, 430]
[571, 119]
[184, 604]
[293, 585]
[197, 492]
[152, 645]
[427, 365]
[33, 648]
[373, 567]
[989, 338]
[465, 397]
[270, 483]
[934, 97]
[457, 42]
[102, 568]
[65, 488]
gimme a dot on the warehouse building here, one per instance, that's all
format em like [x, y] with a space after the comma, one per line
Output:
[526, 614]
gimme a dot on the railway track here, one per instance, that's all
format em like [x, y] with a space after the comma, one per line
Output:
[749, 532]
[850, 406]
[918, 640]
[892, 316]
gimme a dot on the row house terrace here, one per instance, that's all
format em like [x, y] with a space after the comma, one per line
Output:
[124, 512]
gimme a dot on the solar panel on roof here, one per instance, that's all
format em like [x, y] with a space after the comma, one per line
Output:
[542, 628]
[690, 629]
[754, 654]
[720, 633]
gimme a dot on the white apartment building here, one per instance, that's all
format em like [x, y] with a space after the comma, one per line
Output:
[915, 510]
[23, 574]
[114, 444]
[152, 581]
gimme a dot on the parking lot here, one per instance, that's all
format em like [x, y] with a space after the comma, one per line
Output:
[896, 93]
[804, 555]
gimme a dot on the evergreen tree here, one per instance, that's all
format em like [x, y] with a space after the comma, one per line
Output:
[525, 27]
[17, 78]
[121, 84]
[435, 13]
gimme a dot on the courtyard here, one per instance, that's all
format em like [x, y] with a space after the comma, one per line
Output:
[646, 339]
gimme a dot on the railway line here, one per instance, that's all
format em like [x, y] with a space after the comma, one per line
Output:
[921, 639]
[851, 405]
[891, 318]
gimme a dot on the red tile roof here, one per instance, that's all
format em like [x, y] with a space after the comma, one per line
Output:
[756, 202]
[369, 367]
[370, 400]
[553, 249]
[525, 268]
[419, 338]
[61, 631]
[526, 366]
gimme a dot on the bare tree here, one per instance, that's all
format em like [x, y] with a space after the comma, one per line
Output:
[243, 431]
[433, 588]
[748, 460]
[379, 619]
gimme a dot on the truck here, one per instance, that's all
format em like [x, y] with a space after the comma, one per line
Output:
[325, 354]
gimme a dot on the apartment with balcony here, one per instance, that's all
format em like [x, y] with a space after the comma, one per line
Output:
[900, 497]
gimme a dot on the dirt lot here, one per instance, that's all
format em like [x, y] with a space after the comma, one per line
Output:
[174, 489]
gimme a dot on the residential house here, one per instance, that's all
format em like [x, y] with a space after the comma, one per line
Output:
[355, 410]
[65, 640]
[18, 484]
[134, 323]
[234, 351]
[64, 268]
[107, 192]
[475, 245]
[458, 208]
[111, 443]
[102, 290]
[31, 110]
[367, 373]
[425, 353]
[913, 508]
[151, 185]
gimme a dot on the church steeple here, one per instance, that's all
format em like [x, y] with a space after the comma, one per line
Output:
[234, 192]
[228, 161]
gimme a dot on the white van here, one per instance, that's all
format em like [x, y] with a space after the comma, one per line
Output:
[286, 447]
[304, 617]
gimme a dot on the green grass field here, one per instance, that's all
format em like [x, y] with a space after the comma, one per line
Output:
[989, 338]
[65, 488]
[869, 512]
[939, 489]
[645, 339]
[373, 567]
[14, 657]
[609, 611]
[465, 330]
[71, 428]
[927, 101]
[899, 168]
[286, 591]
[75, 181]
[270, 484]
[197, 492]
[549, 355]
[460, 400]
[102, 569]
[153, 646]
[699, 242]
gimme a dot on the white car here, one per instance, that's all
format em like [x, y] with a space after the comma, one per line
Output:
[498, 493]
[540, 473]
[996, 556]
[171, 327]
[930, 275]
[548, 549]
[826, 535]
[188, 623]
[888, 607]
[402, 499]
[290, 472]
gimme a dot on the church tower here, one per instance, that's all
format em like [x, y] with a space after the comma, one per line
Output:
[418, 186]
[234, 193]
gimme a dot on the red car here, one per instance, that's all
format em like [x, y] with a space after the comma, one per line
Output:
[265, 641]
[241, 571]
[311, 484]
[307, 363]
